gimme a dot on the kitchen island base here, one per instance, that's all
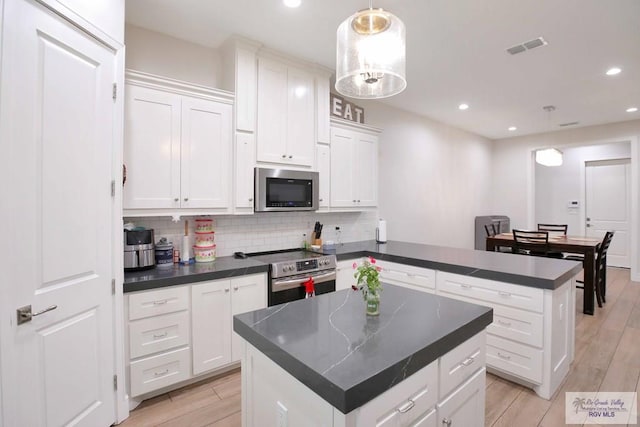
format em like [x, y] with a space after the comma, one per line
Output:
[448, 391]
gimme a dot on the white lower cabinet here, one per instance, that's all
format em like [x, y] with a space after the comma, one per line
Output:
[416, 401]
[211, 320]
[532, 335]
[344, 274]
[465, 406]
[180, 332]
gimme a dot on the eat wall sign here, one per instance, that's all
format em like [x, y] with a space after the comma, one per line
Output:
[346, 110]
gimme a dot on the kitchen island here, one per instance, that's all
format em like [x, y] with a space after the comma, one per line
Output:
[323, 361]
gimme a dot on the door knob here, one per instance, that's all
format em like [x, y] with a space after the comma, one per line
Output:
[186, 199]
[291, 157]
[284, 156]
[251, 199]
[176, 199]
[25, 315]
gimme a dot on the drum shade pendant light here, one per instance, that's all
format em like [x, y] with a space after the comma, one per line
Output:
[549, 156]
[371, 55]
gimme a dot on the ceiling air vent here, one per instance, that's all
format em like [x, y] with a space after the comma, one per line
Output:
[568, 124]
[528, 45]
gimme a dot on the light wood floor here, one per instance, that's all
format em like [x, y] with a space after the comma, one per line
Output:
[607, 358]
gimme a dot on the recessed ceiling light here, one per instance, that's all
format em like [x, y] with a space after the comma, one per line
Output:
[463, 106]
[632, 109]
[613, 71]
[512, 128]
[292, 3]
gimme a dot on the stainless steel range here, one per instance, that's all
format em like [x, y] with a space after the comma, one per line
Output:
[290, 269]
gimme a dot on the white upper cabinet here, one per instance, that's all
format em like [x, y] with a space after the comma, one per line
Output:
[101, 17]
[354, 168]
[286, 114]
[177, 150]
[245, 162]
[323, 164]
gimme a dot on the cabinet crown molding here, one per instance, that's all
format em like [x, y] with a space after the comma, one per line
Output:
[346, 124]
[140, 78]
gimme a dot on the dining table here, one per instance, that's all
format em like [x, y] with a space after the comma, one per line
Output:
[584, 245]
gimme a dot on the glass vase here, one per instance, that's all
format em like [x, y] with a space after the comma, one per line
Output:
[373, 304]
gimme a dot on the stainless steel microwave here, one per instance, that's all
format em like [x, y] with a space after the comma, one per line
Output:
[285, 190]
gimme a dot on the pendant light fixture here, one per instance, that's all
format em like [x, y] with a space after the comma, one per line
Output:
[549, 156]
[371, 55]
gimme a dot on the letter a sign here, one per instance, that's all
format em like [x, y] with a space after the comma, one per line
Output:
[345, 110]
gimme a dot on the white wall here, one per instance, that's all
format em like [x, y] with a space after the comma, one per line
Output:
[166, 56]
[433, 178]
[556, 186]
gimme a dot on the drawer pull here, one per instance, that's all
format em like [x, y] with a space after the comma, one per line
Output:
[468, 361]
[446, 422]
[504, 356]
[161, 374]
[464, 286]
[503, 323]
[161, 302]
[504, 294]
[155, 337]
[407, 406]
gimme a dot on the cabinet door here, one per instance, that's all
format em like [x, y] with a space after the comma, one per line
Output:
[206, 154]
[344, 274]
[211, 325]
[366, 167]
[245, 162]
[342, 174]
[465, 406]
[300, 117]
[323, 156]
[272, 112]
[248, 293]
[323, 127]
[151, 149]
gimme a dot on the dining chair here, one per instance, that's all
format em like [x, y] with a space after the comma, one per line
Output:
[490, 229]
[554, 230]
[530, 242]
[600, 284]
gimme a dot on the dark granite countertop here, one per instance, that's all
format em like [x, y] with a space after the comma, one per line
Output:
[221, 268]
[538, 272]
[348, 358]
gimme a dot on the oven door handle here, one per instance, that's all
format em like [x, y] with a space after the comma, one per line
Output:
[283, 285]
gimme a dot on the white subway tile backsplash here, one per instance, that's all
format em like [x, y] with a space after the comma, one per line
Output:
[267, 231]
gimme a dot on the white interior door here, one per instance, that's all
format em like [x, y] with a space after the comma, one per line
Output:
[56, 133]
[608, 206]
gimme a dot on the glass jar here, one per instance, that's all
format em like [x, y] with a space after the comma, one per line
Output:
[373, 304]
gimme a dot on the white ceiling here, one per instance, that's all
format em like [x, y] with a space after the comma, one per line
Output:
[455, 53]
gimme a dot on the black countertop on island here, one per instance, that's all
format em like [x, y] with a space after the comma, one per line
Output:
[538, 272]
[348, 358]
[221, 268]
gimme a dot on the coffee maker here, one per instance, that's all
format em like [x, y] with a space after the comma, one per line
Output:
[139, 250]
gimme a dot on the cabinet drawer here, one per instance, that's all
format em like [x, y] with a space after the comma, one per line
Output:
[515, 296]
[518, 325]
[420, 277]
[460, 363]
[158, 333]
[152, 303]
[517, 359]
[410, 401]
[159, 371]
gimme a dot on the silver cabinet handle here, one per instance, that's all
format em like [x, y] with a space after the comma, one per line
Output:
[235, 288]
[24, 314]
[160, 374]
[358, 200]
[186, 199]
[504, 356]
[226, 289]
[407, 406]
[321, 200]
[446, 421]
[504, 294]
[290, 156]
[468, 361]
[354, 200]
[156, 337]
[251, 199]
[176, 199]
[160, 302]
[284, 156]
[502, 322]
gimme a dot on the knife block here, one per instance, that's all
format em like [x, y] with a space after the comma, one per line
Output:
[315, 241]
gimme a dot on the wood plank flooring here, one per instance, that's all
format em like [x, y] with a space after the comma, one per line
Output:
[607, 358]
